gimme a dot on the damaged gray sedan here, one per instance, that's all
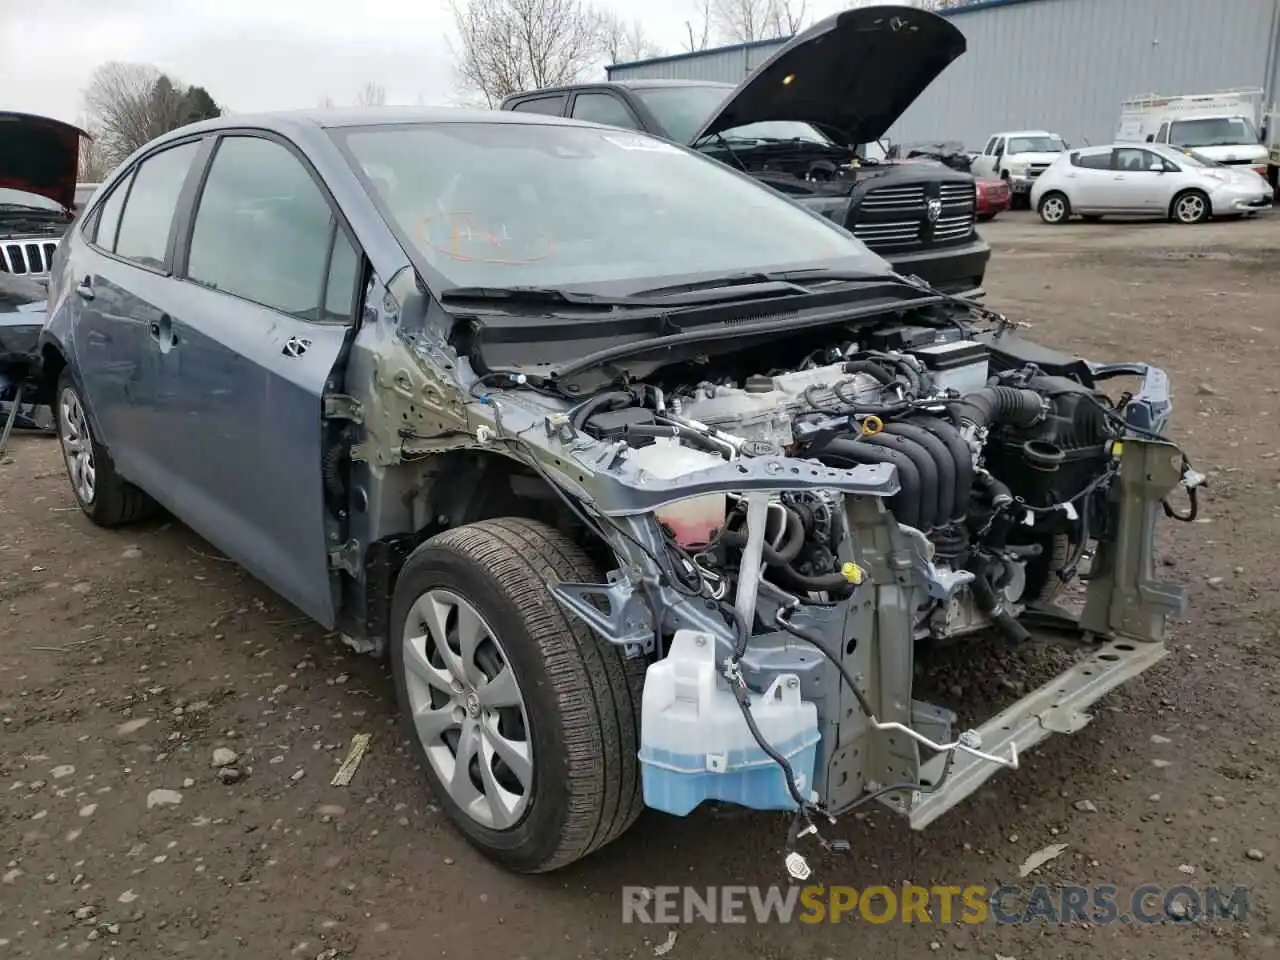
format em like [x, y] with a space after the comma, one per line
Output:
[647, 480]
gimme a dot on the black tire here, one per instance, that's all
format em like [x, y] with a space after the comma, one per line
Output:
[1180, 210]
[581, 695]
[986, 217]
[1054, 208]
[111, 501]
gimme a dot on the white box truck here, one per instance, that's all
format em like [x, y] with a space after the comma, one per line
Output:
[1222, 126]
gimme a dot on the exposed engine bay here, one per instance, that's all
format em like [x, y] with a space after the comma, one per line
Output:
[999, 467]
[790, 515]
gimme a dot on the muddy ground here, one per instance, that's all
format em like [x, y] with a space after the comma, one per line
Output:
[127, 658]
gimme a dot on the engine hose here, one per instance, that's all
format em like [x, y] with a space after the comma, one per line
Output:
[1001, 499]
[688, 434]
[815, 583]
[945, 464]
[579, 415]
[995, 609]
[905, 368]
[330, 463]
[873, 370]
[928, 497]
[1010, 405]
[780, 556]
[906, 503]
[962, 456]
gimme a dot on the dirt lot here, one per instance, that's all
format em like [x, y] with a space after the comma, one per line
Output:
[127, 658]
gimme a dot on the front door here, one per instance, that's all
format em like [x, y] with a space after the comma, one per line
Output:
[259, 319]
[1138, 181]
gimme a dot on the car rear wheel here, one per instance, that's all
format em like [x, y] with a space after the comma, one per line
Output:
[525, 723]
[1190, 206]
[105, 497]
[1055, 208]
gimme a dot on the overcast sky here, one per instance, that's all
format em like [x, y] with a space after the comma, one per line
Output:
[259, 54]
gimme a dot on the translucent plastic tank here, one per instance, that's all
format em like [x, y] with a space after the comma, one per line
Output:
[695, 520]
[695, 744]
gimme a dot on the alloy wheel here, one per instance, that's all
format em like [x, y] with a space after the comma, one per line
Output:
[77, 445]
[1190, 209]
[1053, 210]
[467, 709]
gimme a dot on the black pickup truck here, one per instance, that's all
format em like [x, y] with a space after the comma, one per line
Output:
[797, 123]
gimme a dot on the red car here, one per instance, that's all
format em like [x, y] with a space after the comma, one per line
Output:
[993, 196]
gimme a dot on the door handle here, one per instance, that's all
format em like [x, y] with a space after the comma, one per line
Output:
[85, 288]
[162, 332]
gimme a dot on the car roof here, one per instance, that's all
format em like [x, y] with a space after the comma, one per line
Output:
[639, 84]
[1026, 133]
[304, 123]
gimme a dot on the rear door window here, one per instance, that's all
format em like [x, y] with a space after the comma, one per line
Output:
[1092, 161]
[143, 236]
[265, 232]
[108, 216]
[553, 106]
[603, 108]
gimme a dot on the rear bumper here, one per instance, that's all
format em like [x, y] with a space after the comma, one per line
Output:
[953, 269]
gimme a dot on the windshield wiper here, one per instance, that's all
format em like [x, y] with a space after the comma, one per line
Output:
[521, 296]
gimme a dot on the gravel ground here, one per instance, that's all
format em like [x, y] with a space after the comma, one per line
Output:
[128, 658]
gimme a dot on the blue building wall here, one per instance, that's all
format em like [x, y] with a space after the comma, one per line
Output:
[1064, 65]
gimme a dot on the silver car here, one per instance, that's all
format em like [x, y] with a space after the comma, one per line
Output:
[1150, 179]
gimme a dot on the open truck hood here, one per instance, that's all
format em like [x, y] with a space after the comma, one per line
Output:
[851, 75]
[40, 155]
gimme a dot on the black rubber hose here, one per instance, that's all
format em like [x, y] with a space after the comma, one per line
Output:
[780, 556]
[995, 609]
[819, 583]
[906, 503]
[962, 456]
[997, 491]
[992, 405]
[943, 462]
[927, 503]
[693, 437]
[871, 369]
[601, 401]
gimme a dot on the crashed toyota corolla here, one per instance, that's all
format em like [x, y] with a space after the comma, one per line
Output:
[647, 479]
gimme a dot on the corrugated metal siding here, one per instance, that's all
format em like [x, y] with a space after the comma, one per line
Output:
[1061, 64]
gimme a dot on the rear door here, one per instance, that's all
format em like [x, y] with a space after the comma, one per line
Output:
[266, 302]
[1089, 176]
[120, 269]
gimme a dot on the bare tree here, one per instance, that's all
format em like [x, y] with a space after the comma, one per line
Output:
[93, 165]
[512, 45]
[129, 104]
[624, 40]
[371, 95]
[742, 21]
[698, 30]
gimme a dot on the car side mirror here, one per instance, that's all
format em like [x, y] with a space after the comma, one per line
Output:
[1151, 138]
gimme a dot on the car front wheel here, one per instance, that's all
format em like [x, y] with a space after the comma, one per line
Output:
[1191, 206]
[1055, 209]
[105, 497]
[525, 723]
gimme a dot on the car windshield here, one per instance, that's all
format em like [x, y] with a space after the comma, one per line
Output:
[1049, 144]
[682, 111]
[1213, 132]
[32, 201]
[503, 204]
